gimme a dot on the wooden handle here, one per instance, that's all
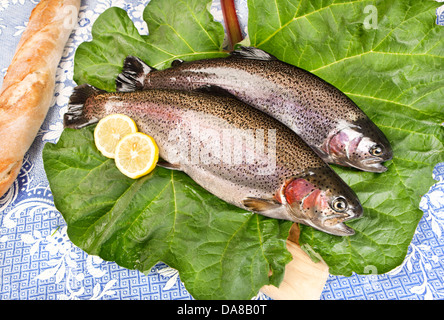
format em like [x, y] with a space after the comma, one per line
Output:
[303, 279]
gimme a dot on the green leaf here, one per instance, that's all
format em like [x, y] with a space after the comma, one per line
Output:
[394, 73]
[221, 251]
[97, 62]
[177, 30]
[182, 30]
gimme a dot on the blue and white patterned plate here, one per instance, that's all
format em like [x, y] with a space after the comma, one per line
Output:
[38, 261]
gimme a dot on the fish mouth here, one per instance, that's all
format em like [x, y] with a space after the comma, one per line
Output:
[369, 165]
[332, 224]
[339, 229]
[373, 165]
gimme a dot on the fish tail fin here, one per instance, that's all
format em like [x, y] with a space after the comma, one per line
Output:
[133, 75]
[76, 117]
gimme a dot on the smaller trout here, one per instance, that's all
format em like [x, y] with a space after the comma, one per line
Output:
[328, 121]
[276, 174]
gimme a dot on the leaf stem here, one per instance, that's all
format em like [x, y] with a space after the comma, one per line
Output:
[231, 23]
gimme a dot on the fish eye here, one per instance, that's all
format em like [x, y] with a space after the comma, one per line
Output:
[339, 204]
[376, 150]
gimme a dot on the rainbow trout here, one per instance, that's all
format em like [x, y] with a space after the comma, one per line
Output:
[231, 149]
[328, 121]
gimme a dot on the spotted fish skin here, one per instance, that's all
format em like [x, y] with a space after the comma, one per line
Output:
[330, 122]
[178, 118]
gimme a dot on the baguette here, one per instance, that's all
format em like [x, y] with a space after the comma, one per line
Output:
[28, 85]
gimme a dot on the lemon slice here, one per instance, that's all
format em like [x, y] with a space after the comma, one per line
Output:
[136, 155]
[110, 130]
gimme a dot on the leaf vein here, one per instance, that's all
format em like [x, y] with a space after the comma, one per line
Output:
[388, 101]
[295, 18]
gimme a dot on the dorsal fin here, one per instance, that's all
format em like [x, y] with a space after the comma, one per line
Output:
[252, 53]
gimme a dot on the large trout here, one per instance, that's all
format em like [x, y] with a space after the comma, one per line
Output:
[234, 151]
[331, 123]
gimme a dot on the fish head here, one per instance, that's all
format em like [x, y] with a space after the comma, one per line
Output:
[322, 200]
[362, 146]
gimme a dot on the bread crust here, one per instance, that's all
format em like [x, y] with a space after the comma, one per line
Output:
[28, 86]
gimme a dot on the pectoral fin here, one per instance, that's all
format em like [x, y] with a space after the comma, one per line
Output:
[177, 62]
[214, 90]
[167, 165]
[260, 205]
